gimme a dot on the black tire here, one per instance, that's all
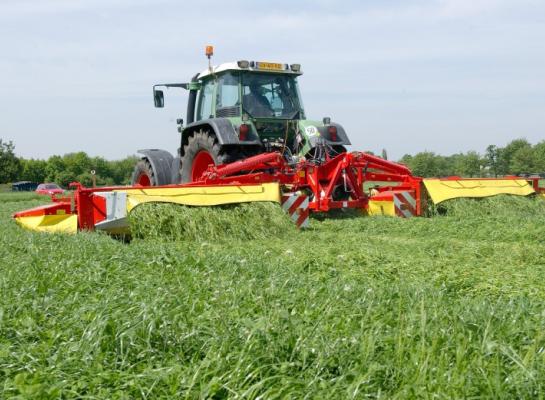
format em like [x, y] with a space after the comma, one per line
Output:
[143, 174]
[203, 141]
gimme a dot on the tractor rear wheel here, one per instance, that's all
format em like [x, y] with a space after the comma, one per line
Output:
[143, 174]
[201, 150]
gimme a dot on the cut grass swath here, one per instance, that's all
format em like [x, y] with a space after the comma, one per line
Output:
[496, 206]
[175, 222]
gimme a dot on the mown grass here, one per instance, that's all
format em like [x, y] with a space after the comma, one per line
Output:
[245, 221]
[449, 307]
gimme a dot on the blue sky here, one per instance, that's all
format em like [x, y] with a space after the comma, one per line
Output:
[444, 75]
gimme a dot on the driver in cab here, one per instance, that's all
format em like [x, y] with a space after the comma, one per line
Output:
[256, 103]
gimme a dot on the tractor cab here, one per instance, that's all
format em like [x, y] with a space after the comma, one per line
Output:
[261, 100]
[251, 90]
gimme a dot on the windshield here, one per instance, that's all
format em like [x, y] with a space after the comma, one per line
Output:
[270, 95]
[42, 186]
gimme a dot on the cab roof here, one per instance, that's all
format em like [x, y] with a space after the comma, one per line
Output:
[253, 66]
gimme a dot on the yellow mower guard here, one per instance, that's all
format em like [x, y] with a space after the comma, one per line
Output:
[446, 189]
[64, 223]
[203, 195]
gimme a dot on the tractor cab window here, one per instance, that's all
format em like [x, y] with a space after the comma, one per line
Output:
[270, 95]
[228, 96]
[204, 110]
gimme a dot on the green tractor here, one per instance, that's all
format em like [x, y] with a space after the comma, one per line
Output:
[234, 111]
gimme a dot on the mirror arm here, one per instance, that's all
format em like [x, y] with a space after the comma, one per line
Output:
[186, 86]
[159, 101]
[169, 85]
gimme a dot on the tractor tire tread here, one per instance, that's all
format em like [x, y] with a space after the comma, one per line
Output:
[203, 140]
[143, 166]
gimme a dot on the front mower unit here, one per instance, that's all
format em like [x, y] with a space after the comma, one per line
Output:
[337, 183]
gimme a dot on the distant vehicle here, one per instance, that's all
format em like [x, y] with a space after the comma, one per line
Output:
[24, 186]
[49, 188]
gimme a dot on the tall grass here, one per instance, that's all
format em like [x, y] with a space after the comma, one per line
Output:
[446, 307]
[6, 197]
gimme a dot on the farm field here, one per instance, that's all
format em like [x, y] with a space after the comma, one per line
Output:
[445, 307]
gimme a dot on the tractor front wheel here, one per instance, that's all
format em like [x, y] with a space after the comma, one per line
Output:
[201, 151]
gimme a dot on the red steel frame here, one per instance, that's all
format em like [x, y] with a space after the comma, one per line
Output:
[351, 170]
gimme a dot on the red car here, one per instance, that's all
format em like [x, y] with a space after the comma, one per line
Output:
[49, 188]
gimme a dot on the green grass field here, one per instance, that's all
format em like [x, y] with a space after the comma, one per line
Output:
[445, 307]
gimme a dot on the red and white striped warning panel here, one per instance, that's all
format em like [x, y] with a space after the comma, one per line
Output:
[296, 205]
[405, 204]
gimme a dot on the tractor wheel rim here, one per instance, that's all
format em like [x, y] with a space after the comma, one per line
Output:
[143, 180]
[200, 164]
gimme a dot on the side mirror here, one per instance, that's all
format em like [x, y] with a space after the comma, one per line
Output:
[158, 98]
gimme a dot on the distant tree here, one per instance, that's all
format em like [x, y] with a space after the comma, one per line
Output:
[77, 163]
[121, 170]
[64, 178]
[55, 166]
[517, 157]
[539, 157]
[86, 179]
[77, 167]
[505, 156]
[34, 170]
[10, 165]
[426, 164]
[406, 159]
[429, 164]
[491, 158]
[101, 166]
[471, 164]
[523, 161]
[456, 164]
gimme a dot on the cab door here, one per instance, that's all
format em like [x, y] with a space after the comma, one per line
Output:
[205, 108]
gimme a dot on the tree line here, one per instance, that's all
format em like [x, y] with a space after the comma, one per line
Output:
[516, 158]
[519, 157]
[71, 167]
